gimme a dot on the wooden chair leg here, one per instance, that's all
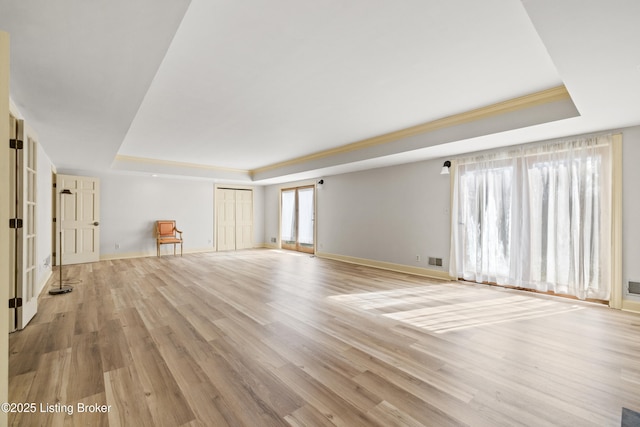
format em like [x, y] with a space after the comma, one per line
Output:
[180, 248]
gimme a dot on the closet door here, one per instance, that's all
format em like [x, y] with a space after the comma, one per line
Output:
[226, 218]
[244, 219]
[234, 219]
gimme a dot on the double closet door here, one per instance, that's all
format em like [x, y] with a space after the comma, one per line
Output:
[297, 228]
[234, 217]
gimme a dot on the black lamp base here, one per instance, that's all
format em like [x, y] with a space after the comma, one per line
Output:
[61, 290]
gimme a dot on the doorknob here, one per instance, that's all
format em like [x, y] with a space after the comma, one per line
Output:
[96, 223]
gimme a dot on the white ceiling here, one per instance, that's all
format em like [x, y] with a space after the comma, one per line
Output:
[224, 90]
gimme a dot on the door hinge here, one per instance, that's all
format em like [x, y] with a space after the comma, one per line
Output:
[15, 302]
[16, 144]
[15, 223]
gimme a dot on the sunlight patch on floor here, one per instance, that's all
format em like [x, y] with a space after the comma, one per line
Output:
[442, 308]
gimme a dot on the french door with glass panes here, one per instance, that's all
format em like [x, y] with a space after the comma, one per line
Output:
[297, 221]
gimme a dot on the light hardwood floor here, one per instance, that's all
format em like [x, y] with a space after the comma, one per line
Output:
[269, 338]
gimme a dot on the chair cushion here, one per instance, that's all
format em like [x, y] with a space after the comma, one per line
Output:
[162, 240]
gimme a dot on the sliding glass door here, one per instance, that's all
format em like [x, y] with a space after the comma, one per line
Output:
[537, 217]
[297, 219]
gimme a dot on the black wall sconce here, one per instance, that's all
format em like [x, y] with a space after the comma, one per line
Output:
[445, 168]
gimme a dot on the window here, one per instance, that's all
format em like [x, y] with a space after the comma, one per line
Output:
[536, 217]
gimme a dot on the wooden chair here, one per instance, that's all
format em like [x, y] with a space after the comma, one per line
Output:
[167, 233]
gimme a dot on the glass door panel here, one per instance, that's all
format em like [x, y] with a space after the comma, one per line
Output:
[297, 219]
[305, 219]
[288, 233]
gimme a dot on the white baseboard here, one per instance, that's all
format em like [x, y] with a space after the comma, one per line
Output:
[629, 305]
[127, 255]
[401, 268]
[43, 282]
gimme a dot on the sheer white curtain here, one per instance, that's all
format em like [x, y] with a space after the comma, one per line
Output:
[305, 216]
[537, 216]
[288, 225]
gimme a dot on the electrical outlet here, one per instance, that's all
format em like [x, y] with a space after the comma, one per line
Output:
[274, 240]
[417, 257]
[117, 245]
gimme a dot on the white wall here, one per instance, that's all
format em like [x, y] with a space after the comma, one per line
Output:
[630, 207]
[44, 222]
[272, 213]
[388, 214]
[130, 205]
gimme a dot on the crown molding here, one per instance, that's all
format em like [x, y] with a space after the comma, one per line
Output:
[145, 160]
[555, 94]
[547, 96]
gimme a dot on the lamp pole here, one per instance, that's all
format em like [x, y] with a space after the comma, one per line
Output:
[60, 289]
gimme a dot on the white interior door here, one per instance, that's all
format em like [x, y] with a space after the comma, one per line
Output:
[28, 291]
[78, 218]
[5, 232]
[226, 219]
[244, 219]
[234, 219]
[23, 239]
[15, 211]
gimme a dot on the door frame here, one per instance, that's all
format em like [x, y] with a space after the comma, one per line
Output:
[297, 247]
[5, 266]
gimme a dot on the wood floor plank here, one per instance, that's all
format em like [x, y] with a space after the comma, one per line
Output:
[127, 399]
[114, 350]
[392, 416]
[408, 403]
[238, 393]
[274, 338]
[308, 416]
[258, 377]
[26, 349]
[323, 399]
[49, 387]
[203, 396]
[90, 411]
[165, 400]
[86, 376]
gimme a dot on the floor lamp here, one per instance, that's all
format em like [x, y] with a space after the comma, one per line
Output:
[61, 289]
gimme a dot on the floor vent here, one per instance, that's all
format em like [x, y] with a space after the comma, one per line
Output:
[435, 261]
[634, 288]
